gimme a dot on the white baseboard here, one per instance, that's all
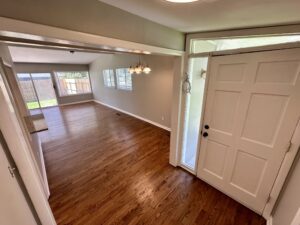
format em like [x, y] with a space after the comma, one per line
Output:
[270, 221]
[74, 103]
[133, 115]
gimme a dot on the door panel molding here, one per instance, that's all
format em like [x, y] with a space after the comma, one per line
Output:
[255, 128]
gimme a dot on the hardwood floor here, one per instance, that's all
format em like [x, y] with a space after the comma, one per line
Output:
[106, 167]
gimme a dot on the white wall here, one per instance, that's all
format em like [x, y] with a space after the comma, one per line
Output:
[151, 97]
[289, 200]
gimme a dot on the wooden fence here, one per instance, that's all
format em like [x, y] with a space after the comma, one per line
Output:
[44, 88]
[74, 86]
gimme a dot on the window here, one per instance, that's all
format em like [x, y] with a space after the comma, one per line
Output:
[199, 46]
[73, 83]
[109, 78]
[124, 79]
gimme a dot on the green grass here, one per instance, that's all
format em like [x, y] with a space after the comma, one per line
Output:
[44, 103]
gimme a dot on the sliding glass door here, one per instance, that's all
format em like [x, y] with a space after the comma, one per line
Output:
[37, 90]
[44, 89]
[27, 90]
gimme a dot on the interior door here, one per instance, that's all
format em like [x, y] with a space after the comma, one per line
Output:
[14, 207]
[252, 108]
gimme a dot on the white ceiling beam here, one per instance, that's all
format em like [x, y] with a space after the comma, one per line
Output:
[11, 28]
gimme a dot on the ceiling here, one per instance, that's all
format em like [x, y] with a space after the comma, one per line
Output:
[39, 55]
[208, 15]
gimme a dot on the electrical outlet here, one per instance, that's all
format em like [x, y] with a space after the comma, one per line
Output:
[162, 118]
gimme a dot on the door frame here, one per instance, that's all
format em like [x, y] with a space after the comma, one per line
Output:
[20, 150]
[284, 170]
[289, 157]
[19, 181]
[183, 105]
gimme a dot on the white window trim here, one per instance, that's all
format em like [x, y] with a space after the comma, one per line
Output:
[114, 76]
[58, 86]
[122, 87]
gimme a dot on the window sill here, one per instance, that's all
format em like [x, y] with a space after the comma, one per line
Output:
[62, 96]
[110, 87]
[123, 89]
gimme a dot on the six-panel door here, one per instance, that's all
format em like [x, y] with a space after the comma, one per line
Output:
[252, 107]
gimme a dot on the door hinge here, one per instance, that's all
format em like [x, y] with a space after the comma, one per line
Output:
[12, 171]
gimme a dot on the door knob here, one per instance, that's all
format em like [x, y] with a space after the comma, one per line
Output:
[206, 126]
[205, 134]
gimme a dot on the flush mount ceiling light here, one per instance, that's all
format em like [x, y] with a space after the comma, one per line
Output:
[181, 1]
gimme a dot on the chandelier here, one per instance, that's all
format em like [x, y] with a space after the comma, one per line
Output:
[139, 68]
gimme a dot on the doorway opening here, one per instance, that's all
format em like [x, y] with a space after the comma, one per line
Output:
[192, 104]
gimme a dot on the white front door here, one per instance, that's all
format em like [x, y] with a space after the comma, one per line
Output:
[252, 108]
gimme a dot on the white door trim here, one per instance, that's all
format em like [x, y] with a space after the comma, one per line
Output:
[20, 151]
[246, 32]
[283, 172]
[176, 112]
[18, 209]
[264, 48]
[270, 221]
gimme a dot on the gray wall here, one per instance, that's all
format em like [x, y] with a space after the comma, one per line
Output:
[92, 16]
[151, 97]
[51, 68]
[289, 200]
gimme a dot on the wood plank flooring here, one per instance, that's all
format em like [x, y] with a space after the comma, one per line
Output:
[108, 168]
